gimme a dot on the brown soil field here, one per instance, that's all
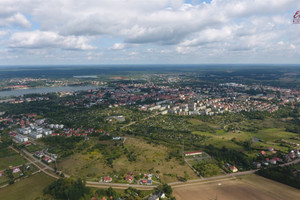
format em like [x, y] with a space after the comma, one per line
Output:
[251, 187]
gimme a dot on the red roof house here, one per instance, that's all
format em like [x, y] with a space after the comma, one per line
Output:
[107, 179]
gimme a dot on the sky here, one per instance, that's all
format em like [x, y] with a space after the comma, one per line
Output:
[46, 32]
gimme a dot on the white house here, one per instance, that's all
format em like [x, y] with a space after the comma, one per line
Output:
[193, 153]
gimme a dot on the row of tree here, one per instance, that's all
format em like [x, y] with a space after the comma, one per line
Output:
[287, 175]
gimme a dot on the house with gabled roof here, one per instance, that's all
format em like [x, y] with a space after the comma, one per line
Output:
[233, 168]
[16, 170]
[107, 179]
[129, 179]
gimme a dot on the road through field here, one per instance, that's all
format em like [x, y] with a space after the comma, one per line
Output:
[189, 183]
[34, 160]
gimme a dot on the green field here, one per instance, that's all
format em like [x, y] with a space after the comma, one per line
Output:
[26, 189]
[4, 180]
[150, 158]
[270, 137]
[10, 158]
[297, 166]
[33, 148]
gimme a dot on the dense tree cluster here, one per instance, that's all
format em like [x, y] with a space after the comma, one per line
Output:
[165, 188]
[65, 145]
[229, 155]
[207, 169]
[282, 174]
[67, 189]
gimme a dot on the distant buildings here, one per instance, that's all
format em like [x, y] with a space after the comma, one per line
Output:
[119, 118]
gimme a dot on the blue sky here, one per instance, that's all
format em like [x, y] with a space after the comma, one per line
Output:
[34, 32]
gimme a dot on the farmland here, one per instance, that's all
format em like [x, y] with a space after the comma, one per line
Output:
[19, 190]
[250, 187]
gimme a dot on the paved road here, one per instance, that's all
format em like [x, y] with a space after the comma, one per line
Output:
[290, 163]
[37, 160]
[34, 163]
[41, 163]
[119, 185]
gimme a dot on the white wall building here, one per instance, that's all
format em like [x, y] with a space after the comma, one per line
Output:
[35, 135]
[21, 138]
[25, 131]
[47, 132]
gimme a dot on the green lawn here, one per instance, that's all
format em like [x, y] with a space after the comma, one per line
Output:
[26, 189]
[270, 137]
[274, 134]
[33, 148]
[221, 138]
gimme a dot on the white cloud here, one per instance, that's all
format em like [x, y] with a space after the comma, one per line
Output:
[40, 39]
[133, 53]
[211, 35]
[292, 46]
[224, 27]
[3, 33]
[15, 20]
[156, 21]
[117, 46]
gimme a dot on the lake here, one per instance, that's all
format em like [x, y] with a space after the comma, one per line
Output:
[45, 90]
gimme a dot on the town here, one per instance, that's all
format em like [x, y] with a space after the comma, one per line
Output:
[146, 132]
